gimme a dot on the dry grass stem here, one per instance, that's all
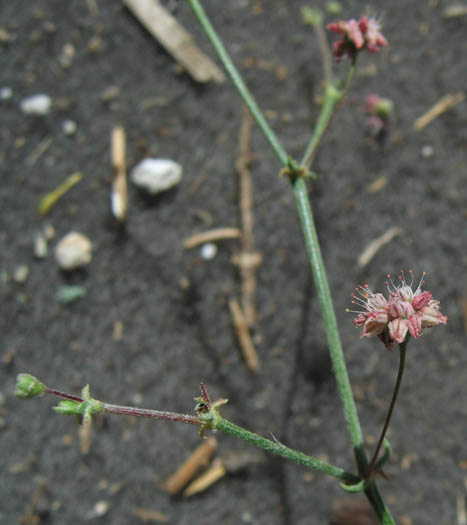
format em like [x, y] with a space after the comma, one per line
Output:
[119, 192]
[198, 459]
[85, 436]
[243, 336]
[39, 151]
[248, 259]
[447, 102]
[213, 474]
[218, 234]
[175, 39]
[150, 516]
[372, 249]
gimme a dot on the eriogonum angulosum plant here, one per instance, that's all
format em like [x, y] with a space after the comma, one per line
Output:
[403, 313]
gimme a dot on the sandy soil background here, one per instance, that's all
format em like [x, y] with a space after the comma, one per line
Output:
[175, 336]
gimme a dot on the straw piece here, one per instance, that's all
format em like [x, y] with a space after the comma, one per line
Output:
[199, 458]
[213, 474]
[243, 336]
[119, 192]
[175, 39]
[447, 102]
[51, 198]
[218, 234]
[371, 250]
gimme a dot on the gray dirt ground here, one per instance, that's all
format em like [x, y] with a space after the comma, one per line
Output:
[172, 337]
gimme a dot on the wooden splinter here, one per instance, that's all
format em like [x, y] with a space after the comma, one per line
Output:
[119, 192]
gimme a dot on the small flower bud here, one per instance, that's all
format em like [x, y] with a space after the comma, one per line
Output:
[27, 386]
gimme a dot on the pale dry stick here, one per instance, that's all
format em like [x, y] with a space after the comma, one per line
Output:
[39, 151]
[85, 436]
[213, 474]
[175, 39]
[455, 11]
[93, 7]
[372, 249]
[198, 459]
[460, 507]
[149, 515]
[243, 335]
[218, 234]
[463, 303]
[447, 102]
[119, 192]
[248, 259]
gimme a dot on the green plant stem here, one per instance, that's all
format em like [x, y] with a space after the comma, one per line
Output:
[281, 450]
[238, 82]
[327, 309]
[403, 349]
[332, 98]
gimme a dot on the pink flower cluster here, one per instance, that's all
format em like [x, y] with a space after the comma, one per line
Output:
[362, 34]
[405, 311]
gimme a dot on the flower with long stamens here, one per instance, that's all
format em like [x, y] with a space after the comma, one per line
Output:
[405, 311]
[357, 35]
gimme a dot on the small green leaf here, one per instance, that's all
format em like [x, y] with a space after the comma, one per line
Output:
[69, 408]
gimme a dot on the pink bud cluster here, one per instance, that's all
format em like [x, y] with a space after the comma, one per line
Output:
[362, 34]
[405, 311]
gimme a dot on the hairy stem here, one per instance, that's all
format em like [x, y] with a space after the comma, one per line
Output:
[281, 450]
[329, 317]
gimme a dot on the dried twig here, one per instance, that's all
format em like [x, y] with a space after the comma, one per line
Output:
[371, 250]
[39, 151]
[51, 198]
[248, 259]
[199, 458]
[455, 11]
[243, 335]
[119, 192]
[447, 102]
[464, 312]
[218, 234]
[214, 473]
[149, 515]
[176, 39]
[85, 436]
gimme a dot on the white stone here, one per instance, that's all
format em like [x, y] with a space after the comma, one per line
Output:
[73, 251]
[36, 105]
[69, 127]
[156, 175]
[208, 251]
[6, 93]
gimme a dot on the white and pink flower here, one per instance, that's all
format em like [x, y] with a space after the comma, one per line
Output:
[405, 311]
[356, 35]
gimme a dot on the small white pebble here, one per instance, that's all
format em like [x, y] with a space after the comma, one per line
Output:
[6, 93]
[36, 105]
[99, 510]
[21, 274]
[69, 127]
[40, 246]
[67, 55]
[427, 151]
[73, 251]
[156, 175]
[208, 251]
[49, 232]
